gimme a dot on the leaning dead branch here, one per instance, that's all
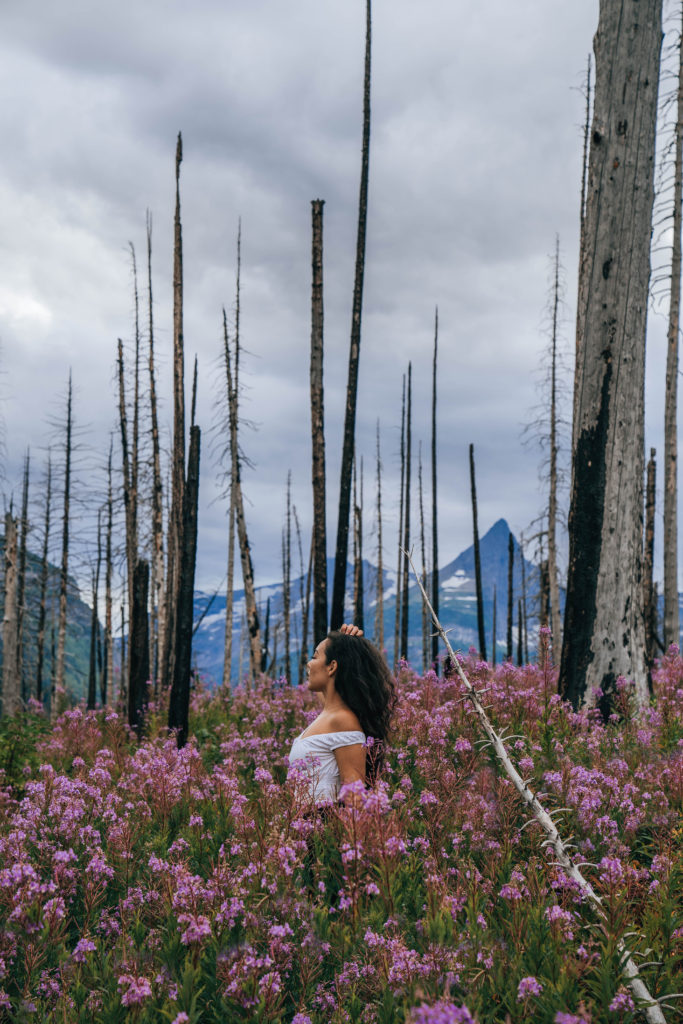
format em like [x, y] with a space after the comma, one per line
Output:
[650, 1006]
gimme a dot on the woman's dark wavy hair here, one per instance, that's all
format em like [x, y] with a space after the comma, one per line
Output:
[364, 682]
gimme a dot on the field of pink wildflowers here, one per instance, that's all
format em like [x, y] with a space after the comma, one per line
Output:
[141, 883]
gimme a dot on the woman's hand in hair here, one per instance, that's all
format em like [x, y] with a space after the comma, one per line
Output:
[350, 629]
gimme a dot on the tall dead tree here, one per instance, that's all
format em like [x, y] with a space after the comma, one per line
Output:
[21, 580]
[304, 594]
[11, 690]
[251, 610]
[107, 681]
[671, 625]
[138, 654]
[435, 543]
[495, 625]
[399, 588]
[477, 560]
[64, 570]
[94, 620]
[406, 525]
[522, 574]
[318, 428]
[44, 577]
[157, 608]
[342, 546]
[556, 619]
[179, 700]
[379, 604]
[583, 249]
[649, 595]
[604, 624]
[175, 519]
[425, 615]
[129, 497]
[511, 563]
[358, 604]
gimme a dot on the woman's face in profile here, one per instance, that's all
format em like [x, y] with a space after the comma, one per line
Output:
[318, 669]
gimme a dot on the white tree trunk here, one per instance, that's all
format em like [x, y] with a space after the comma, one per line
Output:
[11, 696]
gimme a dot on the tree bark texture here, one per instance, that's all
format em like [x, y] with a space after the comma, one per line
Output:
[158, 616]
[671, 624]
[379, 606]
[604, 624]
[107, 683]
[511, 564]
[138, 652]
[358, 604]
[425, 616]
[179, 703]
[21, 582]
[555, 616]
[94, 622]
[477, 560]
[11, 688]
[342, 546]
[318, 428]
[397, 615]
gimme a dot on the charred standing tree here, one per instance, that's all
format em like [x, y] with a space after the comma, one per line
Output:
[342, 548]
[157, 609]
[138, 655]
[425, 614]
[435, 543]
[64, 571]
[406, 525]
[107, 681]
[604, 623]
[318, 429]
[242, 536]
[179, 702]
[304, 594]
[94, 622]
[522, 573]
[358, 604]
[582, 239]
[379, 604]
[555, 617]
[129, 501]
[21, 581]
[44, 576]
[230, 583]
[649, 598]
[671, 625]
[175, 523]
[511, 563]
[477, 560]
[11, 690]
[520, 633]
[397, 618]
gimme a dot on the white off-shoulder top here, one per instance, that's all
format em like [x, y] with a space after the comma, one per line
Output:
[321, 769]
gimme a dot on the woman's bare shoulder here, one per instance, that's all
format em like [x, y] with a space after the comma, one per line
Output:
[344, 720]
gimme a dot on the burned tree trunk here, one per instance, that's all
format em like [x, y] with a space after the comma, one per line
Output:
[493, 635]
[406, 526]
[511, 563]
[158, 616]
[107, 682]
[175, 524]
[358, 604]
[64, 572]
[649, 600]
[604, 624]
[582, 243]
[379, 605]
[477, 560]
[671, 625]
[128, 495]
[11, 690]
[342, 547]
[179, 702]
[318, 429]
[94, 622]
[556, 620]
[425, 615]
[435, 543]
[245, 551]
[397, 618]
[138, 654]
[287, 580]
[21, 581]
[44, 576]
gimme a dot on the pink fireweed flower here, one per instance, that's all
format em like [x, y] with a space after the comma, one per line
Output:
[611, 870]
[181, 1018]
[528, 986]
[569, 1018]
[83, 946]
[622, 1001]
[441, 1013]
[198, 928]
[137, 989]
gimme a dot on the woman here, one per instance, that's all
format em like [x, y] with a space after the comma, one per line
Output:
[358, 697]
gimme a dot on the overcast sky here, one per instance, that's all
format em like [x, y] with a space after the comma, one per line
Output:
[475, 165]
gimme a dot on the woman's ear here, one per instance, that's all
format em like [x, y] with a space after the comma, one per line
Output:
[332, 668]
